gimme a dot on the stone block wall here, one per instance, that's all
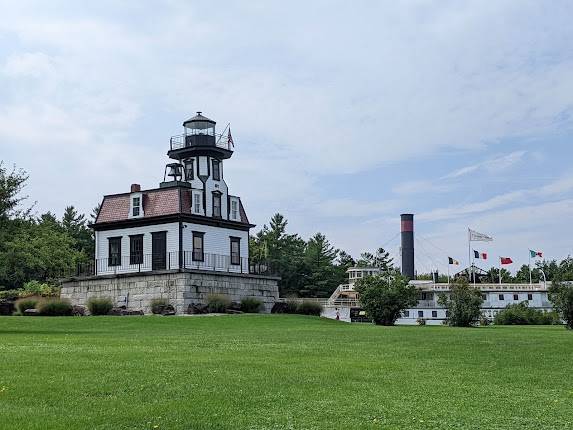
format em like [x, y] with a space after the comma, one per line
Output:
[181, 288]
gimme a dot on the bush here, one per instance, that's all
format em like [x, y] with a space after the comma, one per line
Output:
[463, 304]
[10, 294]
[158, 305]
[26, 303]
[561, 295]
[218, 303]
[309, 308]
[421, 321]
[385, 297]
[99, 305]
[250, 305]
[484, 321]
[37, 288]
[55, 307]
[522, 314]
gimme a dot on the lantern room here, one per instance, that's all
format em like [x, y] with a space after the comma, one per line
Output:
[199, 131]
[199, 138]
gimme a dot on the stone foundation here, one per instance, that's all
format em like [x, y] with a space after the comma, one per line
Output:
[181, 288]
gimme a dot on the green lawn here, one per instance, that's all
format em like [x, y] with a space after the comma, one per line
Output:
[280, 372]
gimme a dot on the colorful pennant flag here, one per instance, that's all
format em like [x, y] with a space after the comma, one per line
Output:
[480, 255]
[535, 254]
[452, 261]
[506, 260]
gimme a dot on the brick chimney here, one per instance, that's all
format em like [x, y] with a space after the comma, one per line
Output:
[135, 188]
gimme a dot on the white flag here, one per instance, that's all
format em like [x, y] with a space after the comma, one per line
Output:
[479, 237]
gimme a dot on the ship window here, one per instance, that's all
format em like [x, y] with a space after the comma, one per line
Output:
[420, 314]
[515, 297]
[434, 314]
[530, 297]
[406, 314]
[501, 297]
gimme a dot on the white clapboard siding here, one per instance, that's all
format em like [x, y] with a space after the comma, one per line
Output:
[102, 247]
[216, 240]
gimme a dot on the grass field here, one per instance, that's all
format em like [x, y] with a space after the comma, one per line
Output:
[280, 372]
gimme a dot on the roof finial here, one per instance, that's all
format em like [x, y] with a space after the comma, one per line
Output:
[199, 112]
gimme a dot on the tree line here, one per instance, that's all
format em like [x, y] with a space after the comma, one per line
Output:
[33, 247]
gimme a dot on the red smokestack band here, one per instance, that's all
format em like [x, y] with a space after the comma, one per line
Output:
[407, 225]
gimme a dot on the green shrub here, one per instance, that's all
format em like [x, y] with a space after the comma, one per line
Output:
[218, 303]
[26, 303]
[37, 288]
[421, 321]
[55, 307]
[463, 304]
[251, 305]
[100, 305]
[158, 305]
[522, 314]
[384, 297]
[10, 294]
[484, 321]
[309, 308]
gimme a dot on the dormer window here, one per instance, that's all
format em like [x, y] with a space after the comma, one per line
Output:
[216, 170]
[234, 209]
[136, 206]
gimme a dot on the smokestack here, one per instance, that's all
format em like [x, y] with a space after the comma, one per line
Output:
[407, 238]
[135, 188]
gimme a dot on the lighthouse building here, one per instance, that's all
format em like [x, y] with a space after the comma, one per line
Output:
[190, 225]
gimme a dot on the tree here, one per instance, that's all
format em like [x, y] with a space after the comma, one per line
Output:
[493, 275]
[561, 295]
[11, 184]
[385, 297]
[463, 304]
[75, 225]
[319, 257]
[381, 259]
[522, 275]
[283, 252]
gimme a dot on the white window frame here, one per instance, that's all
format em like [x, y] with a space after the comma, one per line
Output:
[197, 196]
[234, 216]
[132, 197]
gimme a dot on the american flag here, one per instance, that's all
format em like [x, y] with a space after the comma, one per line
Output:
[230, 143]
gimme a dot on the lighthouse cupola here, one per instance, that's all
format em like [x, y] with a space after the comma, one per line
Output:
[199, 138]
[199, 131]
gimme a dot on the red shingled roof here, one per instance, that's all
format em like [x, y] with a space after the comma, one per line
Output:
[162, 201]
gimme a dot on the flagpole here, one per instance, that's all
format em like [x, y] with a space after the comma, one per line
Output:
[529, 252]
[499, 270]
[469, 253]
[448, 273]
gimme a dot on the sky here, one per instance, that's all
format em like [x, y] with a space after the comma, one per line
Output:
[344, 114]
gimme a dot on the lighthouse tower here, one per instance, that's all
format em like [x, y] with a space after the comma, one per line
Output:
[200, 152]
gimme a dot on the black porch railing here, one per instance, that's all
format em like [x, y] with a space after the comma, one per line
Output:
[171, 261]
